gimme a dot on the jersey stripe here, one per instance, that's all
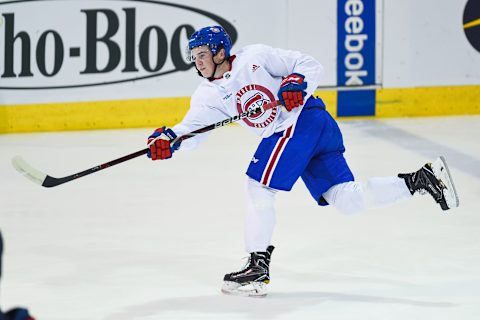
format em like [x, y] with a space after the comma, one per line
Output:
[275, 155]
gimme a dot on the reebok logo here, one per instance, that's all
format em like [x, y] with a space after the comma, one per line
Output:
[255, 67]
[255, 160]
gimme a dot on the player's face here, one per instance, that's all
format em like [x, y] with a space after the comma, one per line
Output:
[202, 56]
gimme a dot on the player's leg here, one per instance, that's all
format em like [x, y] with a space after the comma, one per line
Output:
[355, 197]
[327, 179]
[259, 224]
[277, 164]
[433, 178]
[330, 180]
[328, 167]
[260, 216]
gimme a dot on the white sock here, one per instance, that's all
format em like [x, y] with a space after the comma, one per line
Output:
[354, 197]
[386, 190]
[260, 217]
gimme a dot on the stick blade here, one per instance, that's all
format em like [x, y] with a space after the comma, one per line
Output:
[28, 171]
[441, 171]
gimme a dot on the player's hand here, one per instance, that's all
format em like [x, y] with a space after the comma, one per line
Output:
[292, 91]
[159, 144]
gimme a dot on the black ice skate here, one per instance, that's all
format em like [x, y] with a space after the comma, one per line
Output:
[253, 279]
[435, 179]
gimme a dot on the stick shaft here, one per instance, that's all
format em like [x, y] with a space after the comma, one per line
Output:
[50, 181]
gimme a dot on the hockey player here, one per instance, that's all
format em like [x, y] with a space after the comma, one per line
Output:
[15, 313]
[300, 139]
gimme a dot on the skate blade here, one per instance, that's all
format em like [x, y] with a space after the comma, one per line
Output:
[441, 171]
[253, 289]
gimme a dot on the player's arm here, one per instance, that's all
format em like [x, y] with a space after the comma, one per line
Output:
[198, 116]
[300, 74]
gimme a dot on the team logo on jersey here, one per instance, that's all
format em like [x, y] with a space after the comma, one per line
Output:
[251, 97]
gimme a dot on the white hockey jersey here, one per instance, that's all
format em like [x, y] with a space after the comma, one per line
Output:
[254, 79]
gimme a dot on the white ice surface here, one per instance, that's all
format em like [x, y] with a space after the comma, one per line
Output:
[152, 240]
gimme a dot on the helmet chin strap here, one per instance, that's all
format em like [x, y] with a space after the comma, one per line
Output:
[214, 69]
[216, 65]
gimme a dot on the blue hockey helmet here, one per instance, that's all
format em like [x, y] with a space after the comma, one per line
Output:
[214, 36]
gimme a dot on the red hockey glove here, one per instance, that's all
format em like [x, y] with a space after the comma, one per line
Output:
[159, 144]
[292, 91]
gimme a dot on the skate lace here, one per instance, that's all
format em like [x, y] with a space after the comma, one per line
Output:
[425, 181]
[246, 264]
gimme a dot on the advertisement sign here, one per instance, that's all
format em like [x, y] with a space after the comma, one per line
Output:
[92, 43]
[356, 57]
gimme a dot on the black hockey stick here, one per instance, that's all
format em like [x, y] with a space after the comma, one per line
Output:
[48, 181]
